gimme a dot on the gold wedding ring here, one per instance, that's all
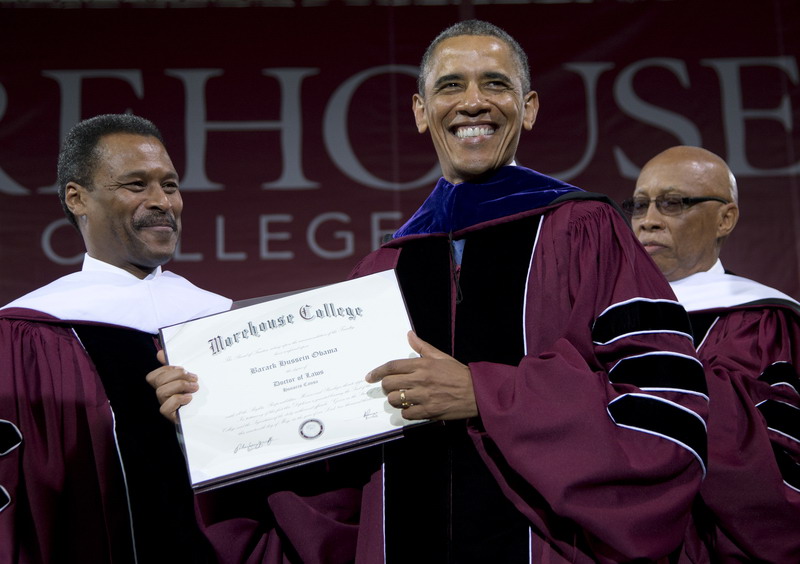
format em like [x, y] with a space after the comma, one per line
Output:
[403, 403]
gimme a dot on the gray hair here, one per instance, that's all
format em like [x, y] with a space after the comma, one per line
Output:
[475, 27]
[734, 188]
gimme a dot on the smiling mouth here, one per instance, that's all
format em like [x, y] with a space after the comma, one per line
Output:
[466, 132]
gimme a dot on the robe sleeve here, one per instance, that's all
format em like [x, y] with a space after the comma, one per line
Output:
[599, 435]
[308, 514]
[61, 492]
[753, 483]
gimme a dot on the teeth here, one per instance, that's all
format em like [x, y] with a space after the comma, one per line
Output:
[464, 132]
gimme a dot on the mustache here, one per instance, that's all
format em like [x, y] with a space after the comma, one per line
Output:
[156, 220]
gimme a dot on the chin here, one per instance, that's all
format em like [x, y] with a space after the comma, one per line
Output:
[475, 173]
[157, 258]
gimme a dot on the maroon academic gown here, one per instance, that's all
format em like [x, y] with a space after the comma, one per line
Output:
[63, 495]
[304, 515]
[590, 441]
[90, 469]
[752, 491]
[67, 432]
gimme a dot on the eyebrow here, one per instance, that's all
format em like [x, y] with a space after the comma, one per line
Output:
[455, 76]
[660, 191]
[446, 78]
[500, 75]
[138, 173]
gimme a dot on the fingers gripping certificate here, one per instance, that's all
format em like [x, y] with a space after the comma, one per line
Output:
[282, 381]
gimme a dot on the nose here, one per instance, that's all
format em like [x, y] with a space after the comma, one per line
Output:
[473, 101]
[652, 220]
[158, 198]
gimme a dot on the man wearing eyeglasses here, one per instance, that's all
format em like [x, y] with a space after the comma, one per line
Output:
[748, 335]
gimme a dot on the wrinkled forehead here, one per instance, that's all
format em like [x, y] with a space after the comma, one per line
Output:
[482, 54]
[686, 178]
[122, 152]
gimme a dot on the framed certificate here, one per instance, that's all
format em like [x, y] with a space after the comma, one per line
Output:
[282, 381]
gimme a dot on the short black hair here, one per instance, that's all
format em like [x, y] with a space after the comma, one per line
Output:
[79, 157]
[476, 27]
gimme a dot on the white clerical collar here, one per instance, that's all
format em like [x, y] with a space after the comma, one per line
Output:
[714, 289]
[716, 268]
[104, 293]
[91, 264]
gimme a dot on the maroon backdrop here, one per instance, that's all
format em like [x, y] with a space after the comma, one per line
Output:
[293, 132]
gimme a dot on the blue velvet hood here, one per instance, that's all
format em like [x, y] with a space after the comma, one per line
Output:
[511, 190]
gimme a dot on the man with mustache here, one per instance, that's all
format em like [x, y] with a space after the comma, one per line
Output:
[89, 470]
[683, 209]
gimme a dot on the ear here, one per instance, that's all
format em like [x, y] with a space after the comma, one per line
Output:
[418, 106]
[729, 215]
[76, 197]
[530, 108]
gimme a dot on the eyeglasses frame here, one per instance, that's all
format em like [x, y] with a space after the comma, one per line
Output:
[686, 203]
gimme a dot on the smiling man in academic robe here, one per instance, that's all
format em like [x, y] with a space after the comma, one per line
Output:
[89, 470]
[550, 346]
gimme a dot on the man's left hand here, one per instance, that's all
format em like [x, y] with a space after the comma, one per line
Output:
[434, 386]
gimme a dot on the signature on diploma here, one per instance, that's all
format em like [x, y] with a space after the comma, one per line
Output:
[369, 414]
[252, 445]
